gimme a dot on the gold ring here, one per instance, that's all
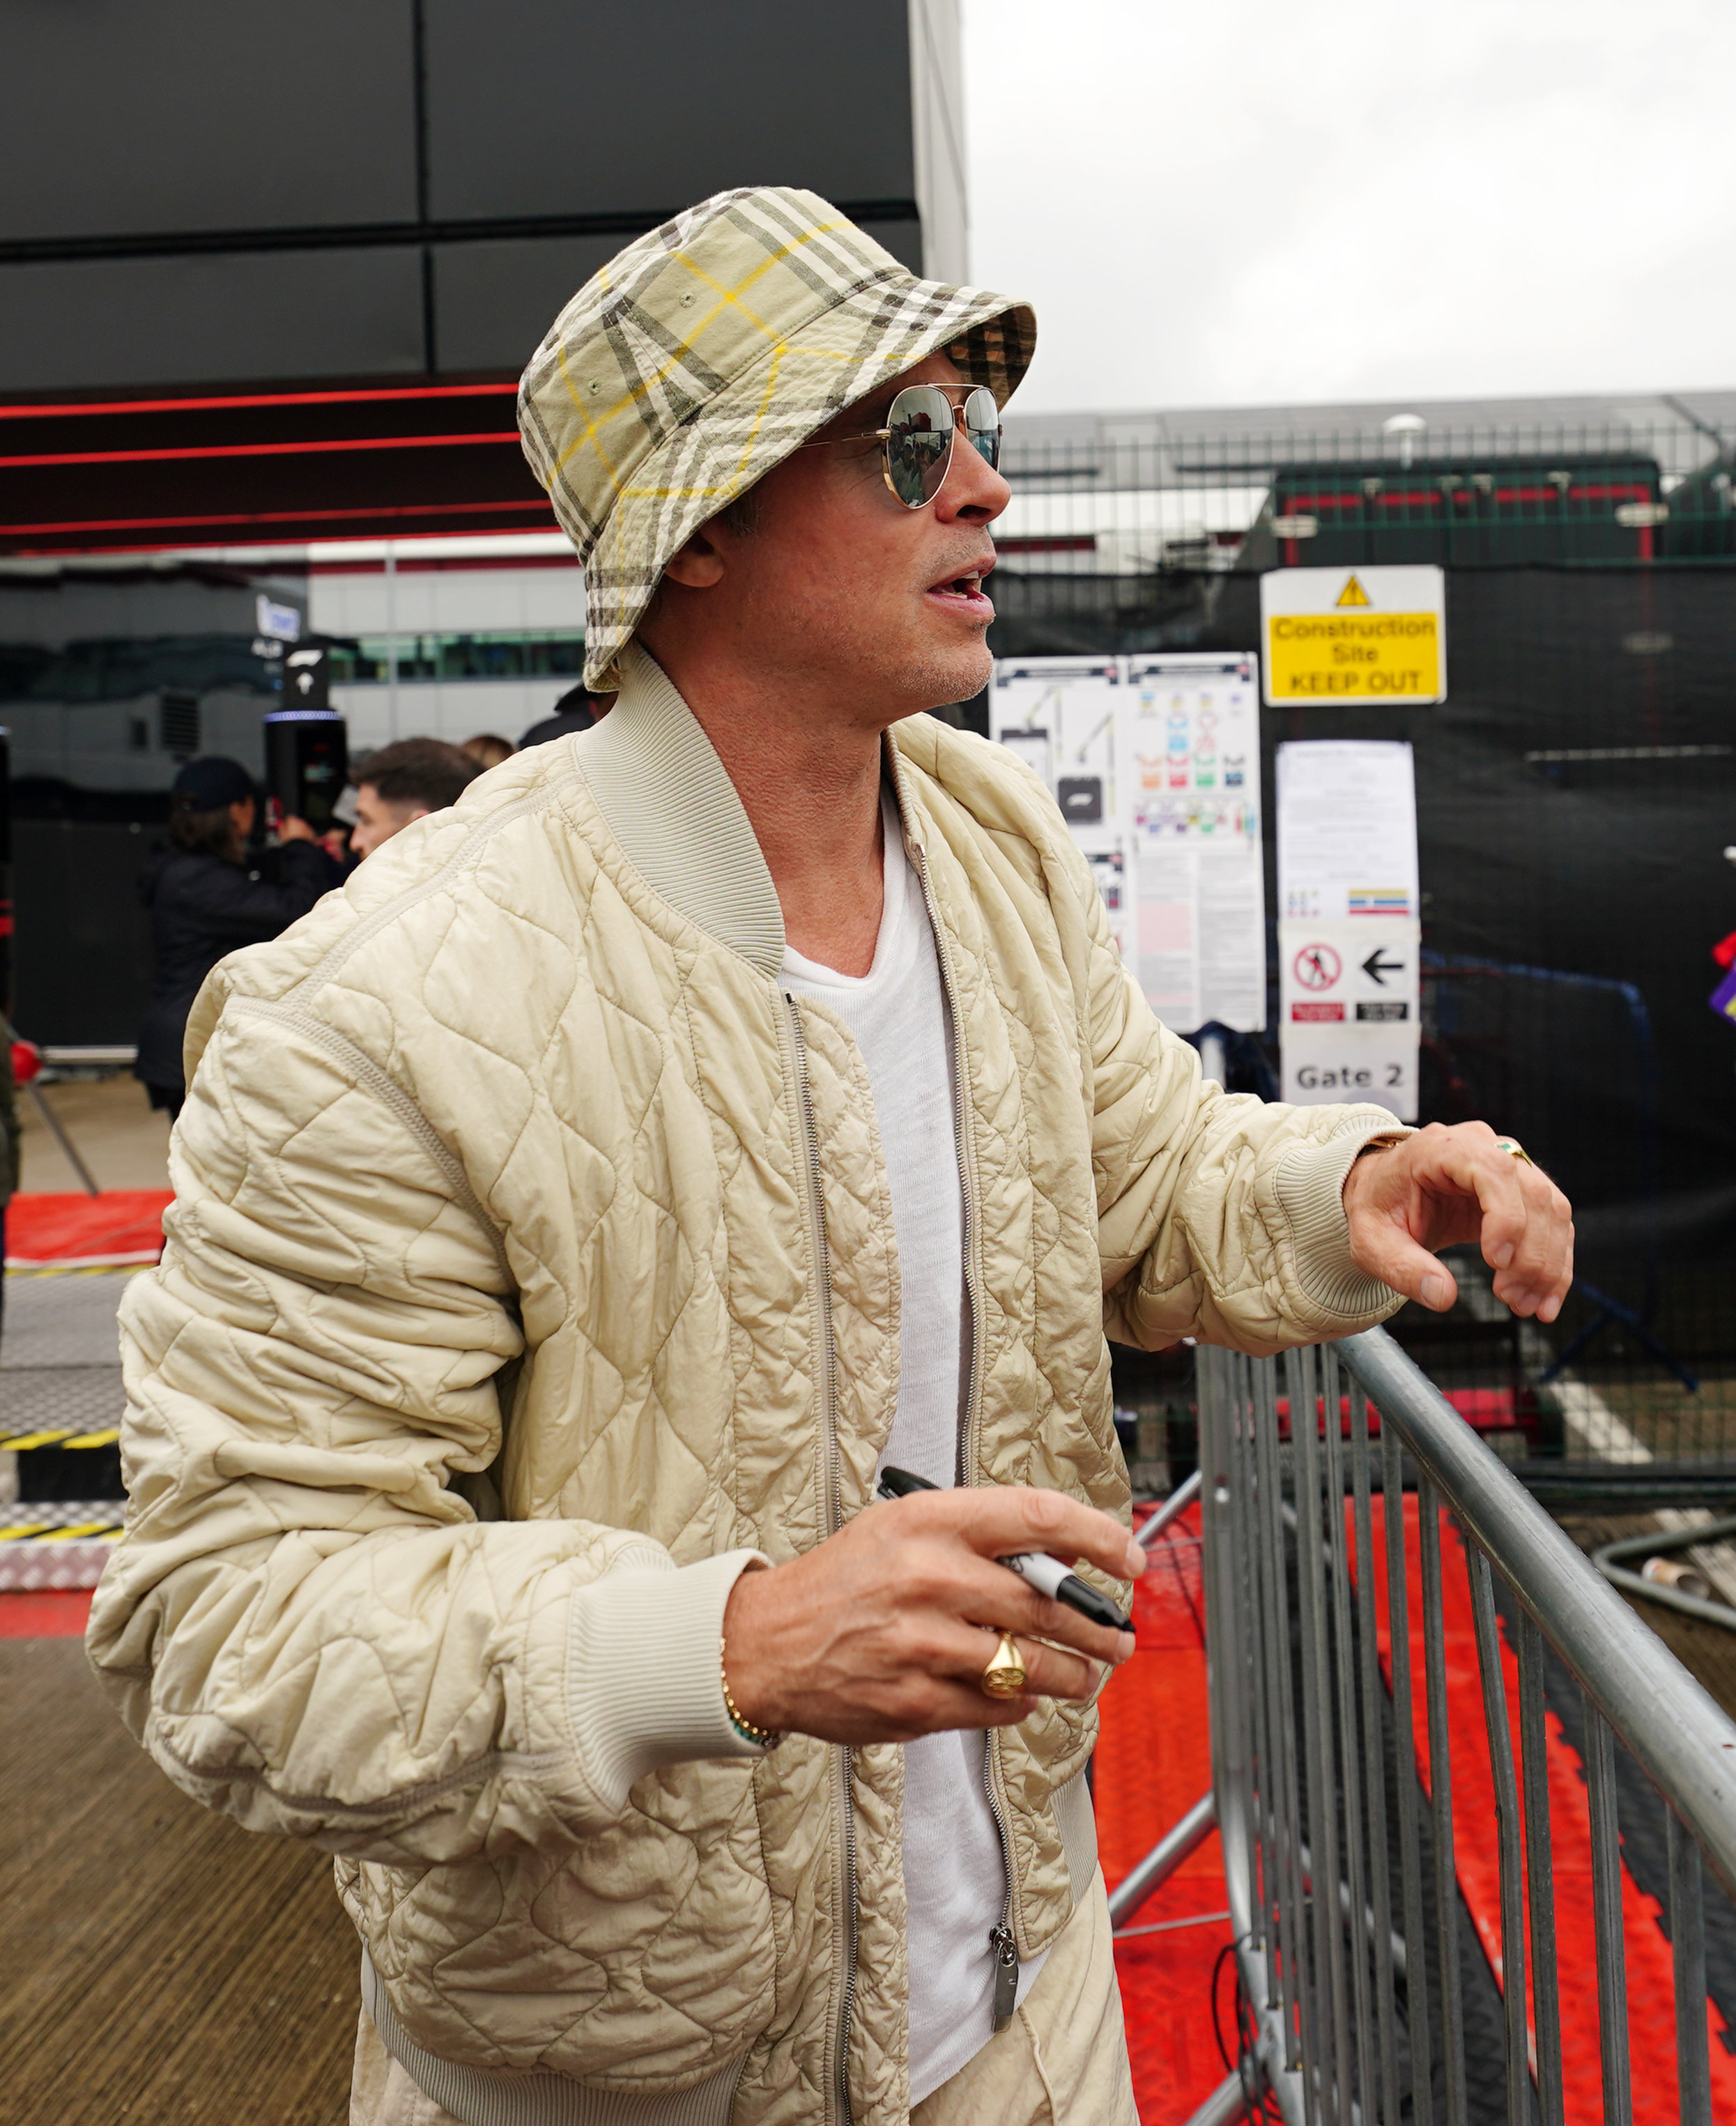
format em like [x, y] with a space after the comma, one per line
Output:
[1515, 1150]
[1005, 1675]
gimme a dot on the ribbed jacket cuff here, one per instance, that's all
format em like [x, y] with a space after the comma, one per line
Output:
[1309, 1185]
[644, 1680]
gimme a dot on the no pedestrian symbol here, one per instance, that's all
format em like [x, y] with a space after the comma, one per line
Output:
[1316, 967]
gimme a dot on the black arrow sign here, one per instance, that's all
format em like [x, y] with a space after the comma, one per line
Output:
[1377, 969]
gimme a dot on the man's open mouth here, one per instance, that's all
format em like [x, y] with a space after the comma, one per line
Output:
[965, 591]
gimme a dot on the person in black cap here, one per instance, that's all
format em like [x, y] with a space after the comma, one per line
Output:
[576, 711]
[204, 902]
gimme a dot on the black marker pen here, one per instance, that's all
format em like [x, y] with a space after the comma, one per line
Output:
[1048, 1575]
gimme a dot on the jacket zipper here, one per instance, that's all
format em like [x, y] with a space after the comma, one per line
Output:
[835, 1514]
[1002, 1941]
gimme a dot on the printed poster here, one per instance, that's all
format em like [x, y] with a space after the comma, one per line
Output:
[1155, 764]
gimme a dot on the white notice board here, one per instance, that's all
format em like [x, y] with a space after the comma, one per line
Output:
[1155, 764]
[1348, 932]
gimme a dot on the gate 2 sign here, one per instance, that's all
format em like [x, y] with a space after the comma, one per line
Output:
[1353, 635]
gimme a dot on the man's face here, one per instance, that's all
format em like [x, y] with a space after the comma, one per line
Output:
[841, 589]
[376, 821]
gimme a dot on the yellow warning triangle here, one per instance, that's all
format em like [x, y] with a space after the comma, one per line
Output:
[1353, 593]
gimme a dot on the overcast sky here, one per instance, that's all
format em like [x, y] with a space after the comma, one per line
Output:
[1285, 201]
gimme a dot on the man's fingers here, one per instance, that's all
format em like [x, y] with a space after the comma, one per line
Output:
[1391, 1254]
[991, 1594]
[1444, 1187]
[1527, 1236]
[1049, 1671]
[1000, 1520]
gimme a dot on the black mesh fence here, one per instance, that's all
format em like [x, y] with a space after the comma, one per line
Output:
[1575, 794]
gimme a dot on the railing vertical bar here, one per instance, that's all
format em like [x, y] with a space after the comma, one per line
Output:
[1310, 1968]
[1266, 1748]
[1500, 1731]
[1322, 1785]
[1344, 1664]
[1440, 1795]
[1286, 1837]
[1687, 1944]
[1408, 1792]
[1612, 1974]
[1243, 1551]
[1368, 1651]
[1539, 1870]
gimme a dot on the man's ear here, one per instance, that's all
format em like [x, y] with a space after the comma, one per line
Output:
[699, 563]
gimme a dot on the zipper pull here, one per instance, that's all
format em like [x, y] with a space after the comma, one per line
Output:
[1006, 1975]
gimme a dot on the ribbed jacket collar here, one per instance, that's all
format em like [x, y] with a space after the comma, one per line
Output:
[669, 802]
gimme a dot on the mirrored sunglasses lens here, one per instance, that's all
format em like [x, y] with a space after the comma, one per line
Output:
[919, 443]
[982, 424]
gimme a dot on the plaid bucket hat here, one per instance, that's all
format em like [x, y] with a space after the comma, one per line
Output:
[703, 354]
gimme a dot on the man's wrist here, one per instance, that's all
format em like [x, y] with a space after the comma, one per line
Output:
[1381, 1140]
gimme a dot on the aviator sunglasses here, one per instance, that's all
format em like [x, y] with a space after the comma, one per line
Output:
[916, 443]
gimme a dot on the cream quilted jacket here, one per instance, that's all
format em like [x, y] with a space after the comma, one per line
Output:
[532, 1271]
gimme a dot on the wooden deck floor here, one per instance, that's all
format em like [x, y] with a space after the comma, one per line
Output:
[162, 1966]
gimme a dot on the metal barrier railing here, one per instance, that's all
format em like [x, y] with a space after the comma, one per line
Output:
[1362, 1975]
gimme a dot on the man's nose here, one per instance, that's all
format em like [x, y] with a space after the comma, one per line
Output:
[973, 491]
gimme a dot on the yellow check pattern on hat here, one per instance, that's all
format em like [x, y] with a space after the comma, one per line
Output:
[703, 354]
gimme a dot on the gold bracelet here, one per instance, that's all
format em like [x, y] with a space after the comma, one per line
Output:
[762, 1738]
[1383, 1141]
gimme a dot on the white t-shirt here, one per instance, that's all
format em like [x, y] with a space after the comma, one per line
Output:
[954, 1872]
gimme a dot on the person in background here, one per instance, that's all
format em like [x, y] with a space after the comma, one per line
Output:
[204, 901]
[577, 710]
[488, 749]
[406, 782]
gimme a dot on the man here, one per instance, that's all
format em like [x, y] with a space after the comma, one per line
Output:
[718, 1106]
[403, 782]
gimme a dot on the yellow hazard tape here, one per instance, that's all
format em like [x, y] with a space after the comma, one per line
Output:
[47, 1532]
[58, 1435]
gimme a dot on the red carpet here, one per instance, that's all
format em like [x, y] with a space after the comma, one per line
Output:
[120, 1226]
[44, 1616]
[1153, 1763]
[1651, 1987]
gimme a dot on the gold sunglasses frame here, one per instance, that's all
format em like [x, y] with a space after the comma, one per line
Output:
[883, 436]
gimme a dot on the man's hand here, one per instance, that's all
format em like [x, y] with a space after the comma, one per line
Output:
[1444, 1187]
[290, 829]
[880, 1633]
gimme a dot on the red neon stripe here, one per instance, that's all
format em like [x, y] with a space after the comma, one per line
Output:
[259, 449]
[256, 399]
[262, 517]
[1428, 498]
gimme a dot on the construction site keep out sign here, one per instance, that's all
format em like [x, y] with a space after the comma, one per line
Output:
[1353, 635]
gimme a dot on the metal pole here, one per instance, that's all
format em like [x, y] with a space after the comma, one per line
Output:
[1150, 1874]
[1172, 1509]
[391, 635]
[51, 1123]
